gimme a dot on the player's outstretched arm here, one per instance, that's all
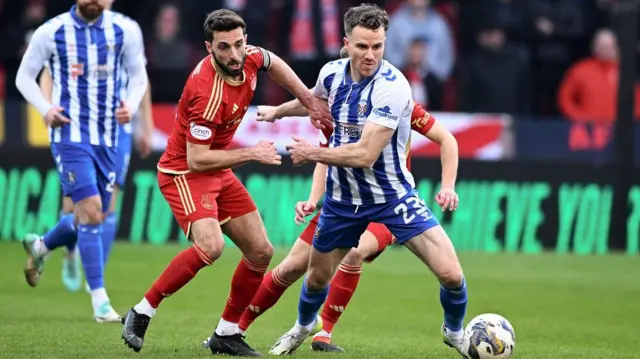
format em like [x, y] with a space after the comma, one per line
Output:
[362, 154]
[426, 125]
[201, 158]
[287, 109]
[284, 75]
[318, 183]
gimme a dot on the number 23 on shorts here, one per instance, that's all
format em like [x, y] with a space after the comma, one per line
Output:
[412, 207]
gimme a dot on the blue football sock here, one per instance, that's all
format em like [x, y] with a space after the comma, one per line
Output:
[454, 303]
[310, 303]
[90, 247]
[62, 234]
[109, 228]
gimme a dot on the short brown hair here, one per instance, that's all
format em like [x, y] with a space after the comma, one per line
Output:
[222, 20]
[366, 15]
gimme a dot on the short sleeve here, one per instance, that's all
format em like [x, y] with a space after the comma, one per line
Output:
[259, 57]
[389, 100]
[421, 120]
[204, 114]
[325, 79]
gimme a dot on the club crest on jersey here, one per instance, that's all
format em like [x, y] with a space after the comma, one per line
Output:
[362, 109]
[200, 132]
[385, 112]
[206, 202]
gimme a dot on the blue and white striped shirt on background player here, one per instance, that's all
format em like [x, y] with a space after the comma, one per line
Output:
[86, 63]
[384, 99]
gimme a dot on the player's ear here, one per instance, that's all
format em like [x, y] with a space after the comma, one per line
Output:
[345, 41]
[208, 46]
[245, 39]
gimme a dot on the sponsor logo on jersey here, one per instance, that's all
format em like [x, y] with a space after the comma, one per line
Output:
[385, 112]
[351, 130]
[200, 132]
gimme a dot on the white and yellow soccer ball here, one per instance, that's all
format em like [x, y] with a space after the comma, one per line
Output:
[489, 336]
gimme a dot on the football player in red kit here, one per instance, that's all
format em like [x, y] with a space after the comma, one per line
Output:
[372, 243]
[195, 176]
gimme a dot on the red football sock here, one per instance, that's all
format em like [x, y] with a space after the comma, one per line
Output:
[341, 289]
[244, 284]
[268, 294]
[180, 271]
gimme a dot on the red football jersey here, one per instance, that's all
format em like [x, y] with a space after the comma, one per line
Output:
[211, 108]
[421, 122]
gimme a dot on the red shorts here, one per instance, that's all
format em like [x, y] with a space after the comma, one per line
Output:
[380, 231]
[195, 196]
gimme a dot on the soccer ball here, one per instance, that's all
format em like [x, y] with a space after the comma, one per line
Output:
[489, 336]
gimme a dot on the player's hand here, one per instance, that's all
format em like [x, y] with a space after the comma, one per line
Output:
[266, 153]
[319, 114]
[54, 117]
[267, 114]
[123, 113]
[447, 198]
[303, 209]
[299, 150]
[143, 144]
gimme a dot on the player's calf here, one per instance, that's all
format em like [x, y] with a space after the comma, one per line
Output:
[276, 282]
[205, 232]
[435, 249]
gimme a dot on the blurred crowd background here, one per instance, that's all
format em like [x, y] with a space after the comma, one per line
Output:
[545, 58]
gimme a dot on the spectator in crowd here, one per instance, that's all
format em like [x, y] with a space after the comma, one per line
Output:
[512, 15]
[496, 77]
[169, 58]
[588, 92]
[417, 19]
[425, 86]
[16, 37]
[558, 26]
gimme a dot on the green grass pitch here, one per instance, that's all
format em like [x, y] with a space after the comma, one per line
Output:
[561, 307]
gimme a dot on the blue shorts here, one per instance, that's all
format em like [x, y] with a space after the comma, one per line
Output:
[341, 225]
[85, 171]
[123, 156]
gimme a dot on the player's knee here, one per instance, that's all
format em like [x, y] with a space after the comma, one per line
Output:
[210, 247]
[293, 268]
[355, 257]
[89, 211]
[318, 278]
[261, 254]
[452, 276]
[67, 205]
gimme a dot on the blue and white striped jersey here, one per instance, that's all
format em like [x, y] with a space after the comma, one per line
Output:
[384, 99]
[88, 63]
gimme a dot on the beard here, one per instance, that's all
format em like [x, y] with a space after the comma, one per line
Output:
[227, 69]
[90, 11]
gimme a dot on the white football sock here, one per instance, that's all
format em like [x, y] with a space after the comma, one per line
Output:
[98, 297]
[39, 248]
[226, 328]
[144, 307]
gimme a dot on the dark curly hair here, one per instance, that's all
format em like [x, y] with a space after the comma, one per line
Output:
[366, 15]
[222, 20]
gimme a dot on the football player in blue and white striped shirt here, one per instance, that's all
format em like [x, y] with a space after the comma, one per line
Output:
[368, 180]
[71, 274]
[86, 51]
